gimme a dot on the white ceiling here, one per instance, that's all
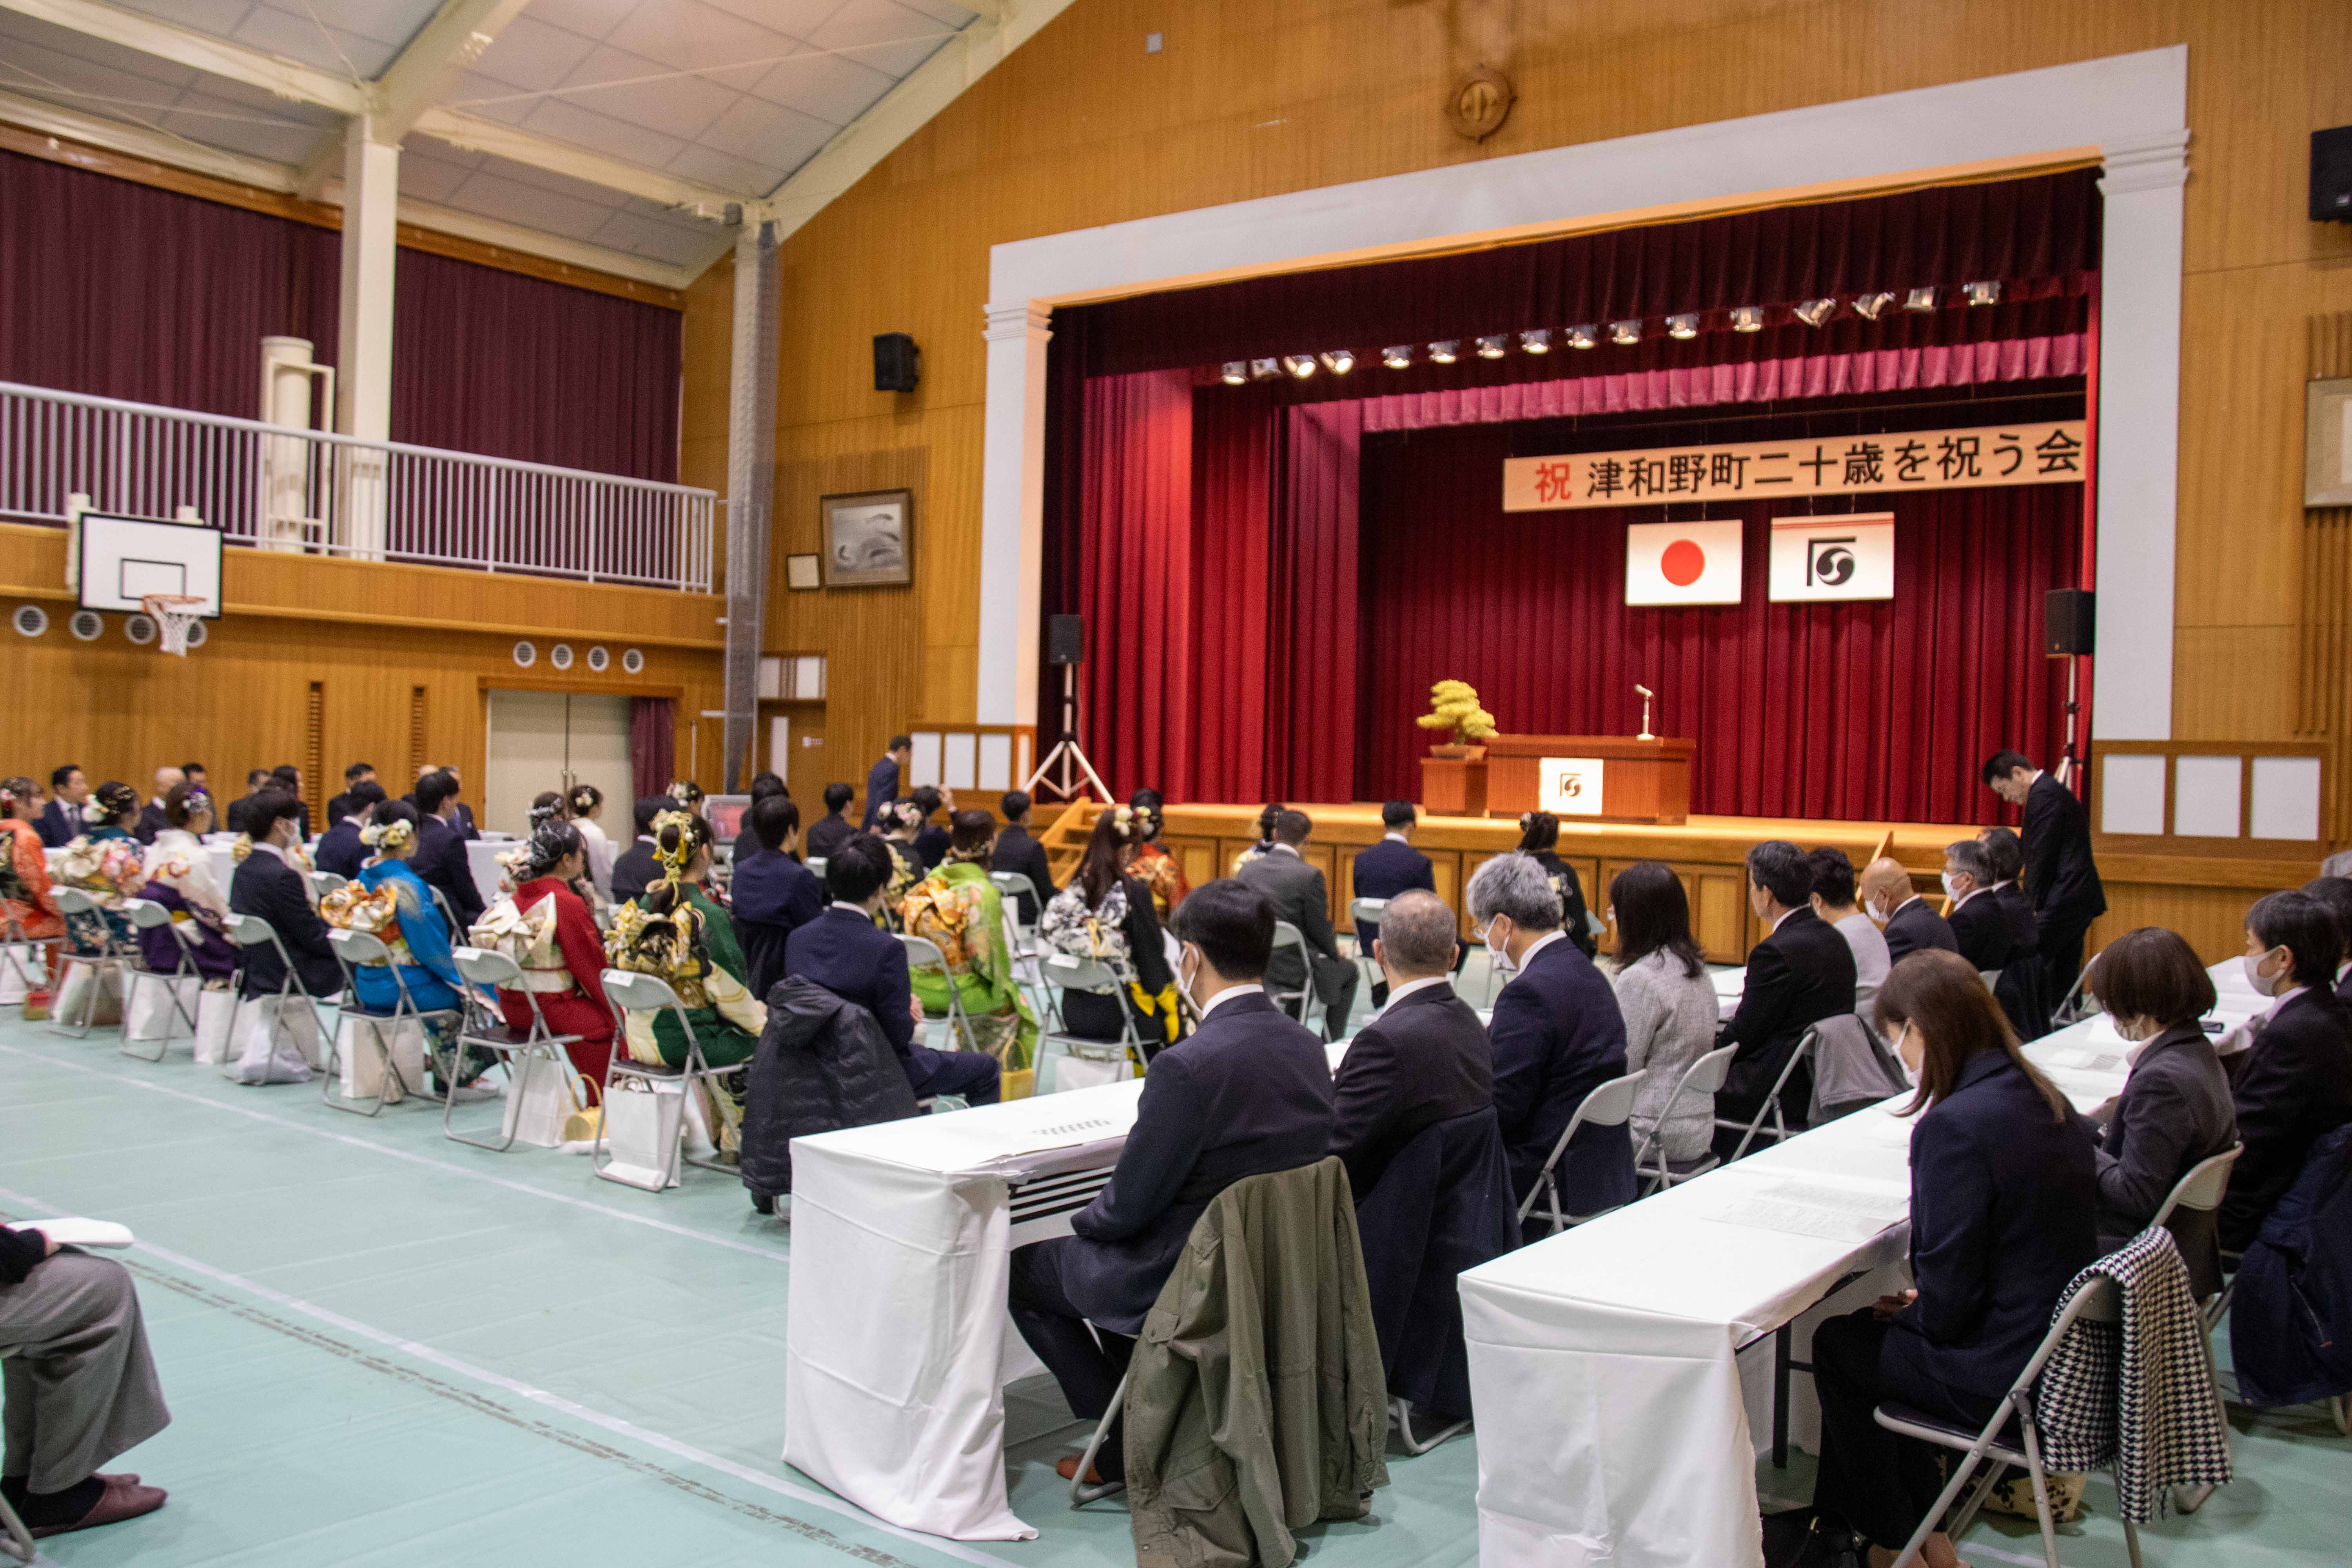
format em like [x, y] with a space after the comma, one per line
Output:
[729, 96]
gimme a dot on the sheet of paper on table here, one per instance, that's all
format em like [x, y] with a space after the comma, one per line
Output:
[1002, 1137]
[1831, 1213]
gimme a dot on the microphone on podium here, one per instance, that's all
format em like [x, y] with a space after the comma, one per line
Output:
[1647, 695]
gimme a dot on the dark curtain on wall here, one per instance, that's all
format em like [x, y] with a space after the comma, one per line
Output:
[652, 745]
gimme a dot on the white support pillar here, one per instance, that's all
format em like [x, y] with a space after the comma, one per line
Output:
[1012, 512]
[363, 345]
[751, 488]
[2139, 434]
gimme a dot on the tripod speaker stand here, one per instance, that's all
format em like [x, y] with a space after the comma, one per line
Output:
[1063, 767]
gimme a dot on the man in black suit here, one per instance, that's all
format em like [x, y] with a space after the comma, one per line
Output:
[2019, 991]
[2336, 893]
[882, 779]
[286, 779]
[635, 868]
[1979, 924]
[152, 819]
[1248, 1092]
[440, 858]
[1423, 1060]
[2058, 871]
[831, 831]
[1386, 869]
[1556, 1037]
[774, 895]
[1297, 892]
[344, 805]
[2294, 1085]
[61, 822]
[1910, 922]
[340, 849]
[267, 885]
[1802, 972]
[256, 781]
[1019, 852]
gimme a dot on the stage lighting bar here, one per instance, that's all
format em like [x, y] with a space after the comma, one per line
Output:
[1583, 337]
[1684, 326]
[1537, 341]
[1490, 347]
[1987, 293]
[1625, 334]
[1870, 307]
[1444, 351]
[1299, 365]
[1747, 319]
[1236, 371]
[1920, 299]
[1265, 369]
[1813, 313]
[1399, 357]
[1339, 362]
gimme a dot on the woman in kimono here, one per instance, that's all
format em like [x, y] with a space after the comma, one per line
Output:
[677, 932]
[391, 902]
[106, 863]
[28, 908]
[901, 824]
[1106, 915]
[549, 933]
[179, 878]
[1153, 865]
[586, 806]
[960, 910]
[1264, 845]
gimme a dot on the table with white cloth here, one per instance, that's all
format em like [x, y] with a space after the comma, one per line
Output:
[1616, 1414]
[1730, 985]
[898, 1345]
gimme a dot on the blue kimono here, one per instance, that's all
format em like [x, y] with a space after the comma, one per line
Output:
[426, 966]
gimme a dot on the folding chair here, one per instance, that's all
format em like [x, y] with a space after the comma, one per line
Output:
[924, 954]
[484, 1029]
[146, 914]
[325, 882]
[1097, 977]
[1012, 885]
[1608, 1105]
[252, 930]
[1703, 1078]
[1295, 1003]
[1778, 1131]
[1360, 911]
[108, 955]
[355, 950]
[626, 992]
[1028, 971]
[2098, 1301]
[2202, 1190]
[2080, 1002]
[19, 954]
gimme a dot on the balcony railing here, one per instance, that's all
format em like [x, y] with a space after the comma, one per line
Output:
[276, 488]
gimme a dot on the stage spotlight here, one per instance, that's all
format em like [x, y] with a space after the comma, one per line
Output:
[1399, 357]
[1490, 348]
[1236, 371]
[1583, 337]
[1339, 362]
[1537, 341]
[1983, 293]
[1300, 365]
[1683, 326]
[1444, 352]
[1625, 334]
[1870, 307]
[1265, 369]
[1747, 319]
[1920, 299]
[1813, 313]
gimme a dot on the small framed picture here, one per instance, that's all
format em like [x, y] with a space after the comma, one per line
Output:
[868, 538]
[801, 572]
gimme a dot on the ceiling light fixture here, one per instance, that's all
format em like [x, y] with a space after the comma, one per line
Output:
[1265, 369]
[1747, 319]
[1813, 313]
[1583, 337]
[1339, 362]
[1536, 341]
[1625, 334]
[1236, 371]
[1684, 326]
[1446, 352]
[1397, 358]
[1985, 293]
[1490, 347]
[1300, 365]
[1870, 307]
[1920, 299]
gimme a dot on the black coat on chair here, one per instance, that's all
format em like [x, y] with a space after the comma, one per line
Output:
[1445, 1204]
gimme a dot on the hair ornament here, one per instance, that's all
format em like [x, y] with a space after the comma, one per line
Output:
[387, 836]
[540, 815]
[93, 811]
[674, 858]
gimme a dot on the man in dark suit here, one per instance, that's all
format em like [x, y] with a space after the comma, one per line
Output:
[286, 779]
[2020, 990]
[265, 884]
[1556, 1037]
[2294, 1085]
[256, 781]
[61, 822]
[635, 868]
[1248, 1092]
[1802, 972]
[882, 779]
[845, 951]
[2058, 871]
[774, 895]
[1387, 869]
[1983, 928]
[1297, 892]
[831, 831]
[1423, 1060]
[461, 815]
[344, 805]
[1019, 852]
[340, 849]
[152, 819]
[1910, 922]
[440, 858]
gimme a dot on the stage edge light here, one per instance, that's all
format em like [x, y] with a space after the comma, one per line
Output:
[1397, 358]
[1684, 326]
[1236, 371]
[1339, 362]
[1446, 352]
[1625, 334]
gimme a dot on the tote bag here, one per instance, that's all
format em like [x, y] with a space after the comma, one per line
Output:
[277, 1040]
[154, 1016]
[643, 1123]
[539, 1102]
[361, 1046]
[214, 1009]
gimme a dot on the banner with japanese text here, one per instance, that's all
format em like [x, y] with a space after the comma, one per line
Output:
[2036, 454]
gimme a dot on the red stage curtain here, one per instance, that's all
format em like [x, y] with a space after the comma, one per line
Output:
[1315, 607]
[652, 745]
[1878, 712]
[1233, 489]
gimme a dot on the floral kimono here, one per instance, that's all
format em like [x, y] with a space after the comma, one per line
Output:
[105, 864]
[24, 895]
[695, 950]
[1115, 934]
[960, 910]
[1157, 870]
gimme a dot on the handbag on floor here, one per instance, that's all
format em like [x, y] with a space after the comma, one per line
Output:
[215, 1010]
[20, 973]
[85, 997]
[164, 1009]
[643, 1123]
[278, 1040]
[540, 1101]
[362, 1044]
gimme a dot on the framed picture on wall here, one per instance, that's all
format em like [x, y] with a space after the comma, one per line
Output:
[868, 538]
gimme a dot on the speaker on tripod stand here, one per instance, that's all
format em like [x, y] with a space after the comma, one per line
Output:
[1065, 644]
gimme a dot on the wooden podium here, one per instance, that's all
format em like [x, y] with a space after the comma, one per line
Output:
[1590, 778]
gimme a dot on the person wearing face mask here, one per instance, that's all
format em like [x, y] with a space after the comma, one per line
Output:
[1979, 924]
[2020, 989]
[1802, 972]
[1247, 1093]
[2175, 1107]
[2058, 872]
[269, 884]
[1909, 921]
[2294, 1085]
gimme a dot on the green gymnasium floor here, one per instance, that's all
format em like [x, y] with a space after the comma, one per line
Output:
[381, 1347]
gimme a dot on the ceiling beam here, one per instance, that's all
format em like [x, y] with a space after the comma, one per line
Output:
[457, 35]
[476, 134]
[199, 51]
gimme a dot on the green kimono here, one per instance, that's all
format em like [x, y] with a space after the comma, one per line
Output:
[958, 908]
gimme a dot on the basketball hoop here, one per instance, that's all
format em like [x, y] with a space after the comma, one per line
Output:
[173, 613]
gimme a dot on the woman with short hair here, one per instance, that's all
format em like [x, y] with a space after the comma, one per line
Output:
[1669, 1004]
[2294, 1086]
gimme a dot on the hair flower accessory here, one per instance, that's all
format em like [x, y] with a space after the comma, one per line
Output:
[242, 847]
[674, 855]
[387, 836]
[93, 811]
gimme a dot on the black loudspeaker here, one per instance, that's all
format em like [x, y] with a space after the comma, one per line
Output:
[2331, 175]
[1065, 640]
[898, 362]
[2066, 621]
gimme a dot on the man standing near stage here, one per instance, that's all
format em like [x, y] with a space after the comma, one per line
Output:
[2058, 873]
[886, 778]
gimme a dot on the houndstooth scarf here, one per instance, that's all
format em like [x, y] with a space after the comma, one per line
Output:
[2138, 1393]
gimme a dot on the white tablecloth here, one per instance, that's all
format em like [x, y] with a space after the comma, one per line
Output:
[898, 1345]
[1730, 985]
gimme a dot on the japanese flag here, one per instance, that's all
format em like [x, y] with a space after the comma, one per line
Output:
[1682, 563]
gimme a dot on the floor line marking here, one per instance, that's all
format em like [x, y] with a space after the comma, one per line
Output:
[412, 1159]
[618, 1425]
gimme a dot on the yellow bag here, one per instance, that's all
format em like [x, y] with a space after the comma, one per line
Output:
[582, 1126]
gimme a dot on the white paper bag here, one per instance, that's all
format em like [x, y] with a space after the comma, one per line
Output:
[643, 1123]
[84, 997]
[20, 973]
[152, 1013]
[537, 1102]
[278, 1040]
[214, 1009]
[1097, 1067]
[360, 1044]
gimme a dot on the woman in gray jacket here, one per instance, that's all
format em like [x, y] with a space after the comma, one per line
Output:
[1669, 1005]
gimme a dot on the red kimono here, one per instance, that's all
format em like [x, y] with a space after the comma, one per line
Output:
[581, 1010]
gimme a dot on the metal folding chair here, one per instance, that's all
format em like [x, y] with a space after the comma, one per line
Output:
[1097, 977]
[109, 954]
[1608, 1105]
[355, 950]
[146, 914]
[2202, 1190]
[252, 930]
[325, 882]
[924, 954]
[22, 955]
[1028, 971]
[627, 991]
[1295, 1003]
[2080, 1002]
[1778, 1130]
[487, 1029]
[1703, 1079]
[1360, 912]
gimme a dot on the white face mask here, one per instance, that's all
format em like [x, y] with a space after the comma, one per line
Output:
[1183, 981]
[1903, 1058]
[2265, 986]
[1497, 954]
[1949, 890]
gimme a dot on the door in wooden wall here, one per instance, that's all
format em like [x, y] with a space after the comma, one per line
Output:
[552, 740]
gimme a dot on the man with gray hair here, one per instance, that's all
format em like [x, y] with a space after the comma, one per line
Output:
[1423, 1060]
[1979, 924]
[152, 819]
[1556, 1037]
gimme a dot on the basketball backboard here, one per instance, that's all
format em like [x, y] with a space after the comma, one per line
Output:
[123, 558]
